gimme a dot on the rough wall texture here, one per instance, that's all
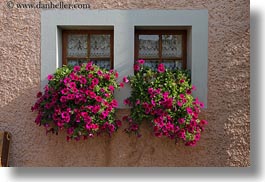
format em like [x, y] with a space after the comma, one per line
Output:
[225, 142]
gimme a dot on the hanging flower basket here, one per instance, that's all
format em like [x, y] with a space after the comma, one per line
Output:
[80, 100]
[163, 98]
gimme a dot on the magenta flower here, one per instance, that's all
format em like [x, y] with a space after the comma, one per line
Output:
[98, 98]
[141, 61]
[92, 95]
[189, 110]
[94, 126]
[111, 88]
[84, 114]
[136, 67]
[121, 85]
[70, 131]
[105, 114]
[182, 81]
[95, 109]
[150, 90]
[49, 77]
[95, 81]
[125, 80]
[161, 68]
[111, 127]
[188, 91]
[76, 68]
[89, 66]
[39, 94]
[107, 76]
[83, 80]
[65, 115]
[182, 96]
[72, 84]
[63, 99]
[179, 103]
[114, 103]
[100, 73]
[70, 96]
[118, 123]
[126, 102]
[66, 80]
[64, 91]
[134, 127]
[181, 120]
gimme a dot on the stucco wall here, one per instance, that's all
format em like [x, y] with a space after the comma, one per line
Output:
[225, 142]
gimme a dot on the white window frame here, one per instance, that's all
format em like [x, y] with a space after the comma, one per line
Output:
[124, 23]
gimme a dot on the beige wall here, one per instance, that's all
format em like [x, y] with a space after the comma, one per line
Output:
[225, 141]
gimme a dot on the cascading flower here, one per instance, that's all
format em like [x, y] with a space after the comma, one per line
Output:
[79, 99]
[163, 97]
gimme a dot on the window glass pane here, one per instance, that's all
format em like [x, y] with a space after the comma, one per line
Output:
[151, 64]
[172, 64]
[99, 46]
[76, 62]
[102, 63]
[77, 46]
[148, 46]
[171, 46]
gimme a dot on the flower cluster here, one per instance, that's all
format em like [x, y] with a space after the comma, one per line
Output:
[164, 98]
[79, 99]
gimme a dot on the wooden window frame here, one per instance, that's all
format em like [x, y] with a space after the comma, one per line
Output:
[183, 58]
[65, 34]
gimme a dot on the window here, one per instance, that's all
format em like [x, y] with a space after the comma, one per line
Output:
[162, 46]
[81, 46]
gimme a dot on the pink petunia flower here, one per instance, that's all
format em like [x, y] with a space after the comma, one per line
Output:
[98, 98]
[39, 94]
[100, 73]
[76, 68]
[63, 99]
[65, 115]
[189, 110]
[161, 68]
[114, 103]
[66, 80]
[141, 61]
[126, 102]
[95, 109]
[64, 91]
[118, 123]
[92, 95]
[70, 131]
[179, 103]
[72, 84]
[111, 88]
[70, 96]
[136, 67]
[95, 81]
[107, 76]
[125, 80]
[89, 66]
[83, 80]
[121, 85]
[49, 77]
[181, 120]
